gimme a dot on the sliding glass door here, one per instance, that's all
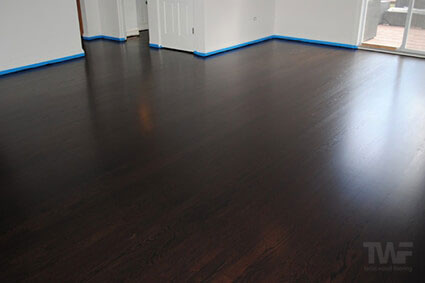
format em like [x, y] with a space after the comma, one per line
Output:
[415, 31]
[395, 25]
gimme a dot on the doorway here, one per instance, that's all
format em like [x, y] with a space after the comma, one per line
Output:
[136, 16]
[394, 25]
[177, 24]
[142, 14]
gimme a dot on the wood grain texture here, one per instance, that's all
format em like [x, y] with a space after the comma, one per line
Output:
[271, 163]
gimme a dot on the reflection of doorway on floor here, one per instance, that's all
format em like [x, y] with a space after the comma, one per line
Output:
[136, 16]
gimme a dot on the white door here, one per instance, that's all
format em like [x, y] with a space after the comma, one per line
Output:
[142, 14]
[176, 18]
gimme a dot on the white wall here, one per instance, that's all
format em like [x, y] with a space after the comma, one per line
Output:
[112, 18]
[325, 20]
[104, 17]
[142, 14]
[199, 24]
[131, 17]
[37, 31]
[224, 23]
[154, 24]
[91, 17]
[232, 22]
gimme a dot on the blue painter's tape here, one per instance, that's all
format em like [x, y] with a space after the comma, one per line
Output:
[32, 66]
[232, 47]
[92, 37]
[114, 38]
[316, 41]
[153, 45]
[120, 39]
[275, 37]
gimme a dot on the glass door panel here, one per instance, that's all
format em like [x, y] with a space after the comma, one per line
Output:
[416, 33]
[385, 23]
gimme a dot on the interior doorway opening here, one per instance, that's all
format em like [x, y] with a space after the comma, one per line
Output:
[136, 16]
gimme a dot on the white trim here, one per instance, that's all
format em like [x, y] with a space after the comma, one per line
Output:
[408, 24]
[158, 17]
[363, 14]
[121, 19]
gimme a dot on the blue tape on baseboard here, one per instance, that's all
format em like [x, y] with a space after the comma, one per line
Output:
[232, 47]
[120, 39]
[153, 45]
[335, 44]
[32, 66]
[275, 37]
[195, 52]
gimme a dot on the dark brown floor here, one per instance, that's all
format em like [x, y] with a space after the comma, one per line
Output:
[273, 162]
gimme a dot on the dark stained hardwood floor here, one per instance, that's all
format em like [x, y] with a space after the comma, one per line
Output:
[275, 162]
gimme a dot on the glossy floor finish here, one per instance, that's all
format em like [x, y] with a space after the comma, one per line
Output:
[275, 162]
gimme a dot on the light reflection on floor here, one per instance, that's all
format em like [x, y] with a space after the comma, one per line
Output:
[383, 122]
